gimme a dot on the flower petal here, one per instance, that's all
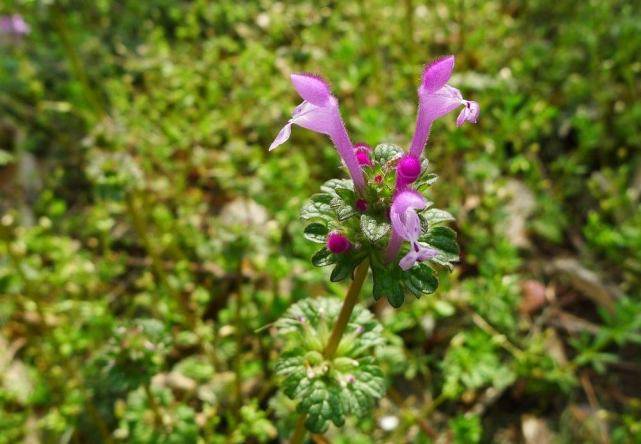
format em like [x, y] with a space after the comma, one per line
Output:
[425, 253]
[282, 137]
[403, 213]
[470, 113]
[320, 119]
[412, 225]
[408, 260]
[312, 88]
[437, 73]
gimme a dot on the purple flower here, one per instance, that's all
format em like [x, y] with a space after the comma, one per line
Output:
[13, 25]
[407, 226]
[319, 112]
[407, 171]
[337, 242]
[436, 99]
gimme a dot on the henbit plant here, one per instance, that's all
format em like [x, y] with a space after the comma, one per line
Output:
[329, 364]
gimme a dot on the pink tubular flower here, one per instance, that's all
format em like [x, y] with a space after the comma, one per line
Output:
[337, 242]
[13, 25]
[319, 113]
[437, 98]
[407, 226]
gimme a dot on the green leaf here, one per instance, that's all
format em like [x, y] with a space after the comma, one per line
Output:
[322, 197]
[342, 210]
[316, 232]
[347, 196]
[434, 216]
[420, 279]
[323, 257]
[425, 182]
[442, 238]
[386, 152]
[373, 229]
[445, 259]
[315, 209]
[342, 269]
[387, 283]
[332, 185]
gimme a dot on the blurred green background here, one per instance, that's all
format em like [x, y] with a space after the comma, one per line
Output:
[146, 234]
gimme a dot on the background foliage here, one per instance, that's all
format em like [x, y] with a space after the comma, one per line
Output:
[149, 241]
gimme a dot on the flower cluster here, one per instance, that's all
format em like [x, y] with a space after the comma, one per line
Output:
[380, 211]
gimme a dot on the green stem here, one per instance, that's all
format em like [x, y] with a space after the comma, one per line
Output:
[346, 310]
[299, 431]
[337, 333]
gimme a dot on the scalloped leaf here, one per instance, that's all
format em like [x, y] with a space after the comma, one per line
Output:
[420, 280]
[323, 257]
[317, 209]
[342, 210]
[387, 283]
[373, 229]
[328, 391]
[316, 232]
[435, 216]
[333, 184]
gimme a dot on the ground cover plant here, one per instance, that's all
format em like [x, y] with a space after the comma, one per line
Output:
[166, 278]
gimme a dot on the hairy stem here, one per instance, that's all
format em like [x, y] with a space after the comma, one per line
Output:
[346, 310]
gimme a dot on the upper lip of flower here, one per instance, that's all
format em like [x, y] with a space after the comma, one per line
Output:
[319, 112]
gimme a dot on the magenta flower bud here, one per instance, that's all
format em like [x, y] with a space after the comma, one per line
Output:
[361, 205]
[337, 242]
[407, 171]
[362, 152]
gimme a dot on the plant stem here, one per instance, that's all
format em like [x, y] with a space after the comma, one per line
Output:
[346, 310]
[337, 333]
[299, 431]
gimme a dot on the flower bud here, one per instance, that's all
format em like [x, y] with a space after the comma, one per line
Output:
[409, 168]
[337, 242]
[361, 205]
[362, 154]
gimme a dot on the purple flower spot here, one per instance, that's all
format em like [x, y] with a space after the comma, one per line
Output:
[337, 242]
